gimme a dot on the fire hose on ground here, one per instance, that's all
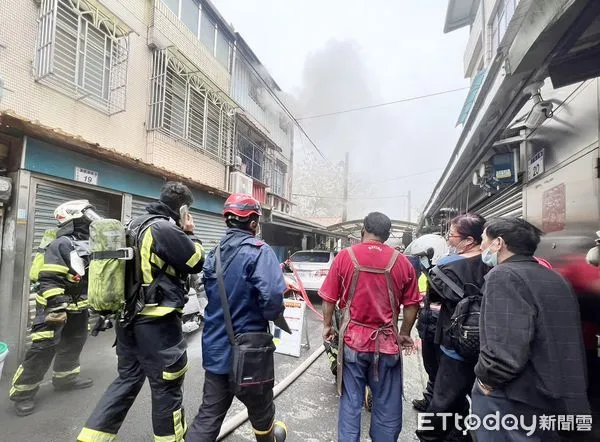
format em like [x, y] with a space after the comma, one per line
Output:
[233, 423]
[236, 421]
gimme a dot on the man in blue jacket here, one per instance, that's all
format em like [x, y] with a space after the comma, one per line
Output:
[254, 285]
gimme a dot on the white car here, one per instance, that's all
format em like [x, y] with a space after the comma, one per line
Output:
[312, 267]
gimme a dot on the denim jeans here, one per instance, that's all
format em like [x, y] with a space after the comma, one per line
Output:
[386, 415]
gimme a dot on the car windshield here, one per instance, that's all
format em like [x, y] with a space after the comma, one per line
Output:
[317, 257]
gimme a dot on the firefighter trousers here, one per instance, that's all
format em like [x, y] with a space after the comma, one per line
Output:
[216, 400]
[61, 343]
[153, 349]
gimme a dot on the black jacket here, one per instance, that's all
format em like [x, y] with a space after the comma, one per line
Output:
[63, 286]
[165, 245]
[467, 273]
[531, 341]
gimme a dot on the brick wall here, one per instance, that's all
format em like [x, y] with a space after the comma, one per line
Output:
[173, 155]
[124, 132]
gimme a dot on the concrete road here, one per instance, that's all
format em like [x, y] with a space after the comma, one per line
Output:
[308, 406]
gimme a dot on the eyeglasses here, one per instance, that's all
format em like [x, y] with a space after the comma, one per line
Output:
[448, 236]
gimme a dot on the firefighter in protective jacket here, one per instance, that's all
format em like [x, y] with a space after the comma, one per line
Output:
[60, 324]
[254, 284]
[152, 346]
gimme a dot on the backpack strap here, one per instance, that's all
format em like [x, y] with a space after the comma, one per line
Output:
[453, 286]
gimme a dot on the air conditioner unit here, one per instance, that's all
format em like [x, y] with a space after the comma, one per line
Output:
[240, 183]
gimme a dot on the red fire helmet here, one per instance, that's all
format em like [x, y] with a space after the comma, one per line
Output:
[241, 206]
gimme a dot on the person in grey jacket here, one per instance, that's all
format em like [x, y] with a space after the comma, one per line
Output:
[532, 359]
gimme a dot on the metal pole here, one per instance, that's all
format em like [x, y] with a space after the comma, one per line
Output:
[345, 208]
[408, 204]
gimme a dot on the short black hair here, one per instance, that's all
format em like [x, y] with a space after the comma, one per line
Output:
[378, 224]
[521, 237]
[243, 223]
[469, 224]
[175, 194]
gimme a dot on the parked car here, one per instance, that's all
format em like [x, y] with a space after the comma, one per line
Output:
[312, 267]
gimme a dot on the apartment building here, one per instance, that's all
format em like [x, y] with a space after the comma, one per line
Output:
[529, 144]
[105, 100]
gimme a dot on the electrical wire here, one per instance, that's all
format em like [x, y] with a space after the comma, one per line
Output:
[301, 195]
[284, 107]
[407, 176]
[387, 103]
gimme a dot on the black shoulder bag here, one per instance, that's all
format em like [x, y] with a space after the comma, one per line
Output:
[253, 365]
[464, 327]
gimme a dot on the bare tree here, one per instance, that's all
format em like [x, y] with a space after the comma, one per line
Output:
[319, 187]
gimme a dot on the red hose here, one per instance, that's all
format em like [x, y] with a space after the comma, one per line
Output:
[303, 292]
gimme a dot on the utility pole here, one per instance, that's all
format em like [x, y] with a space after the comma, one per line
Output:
[409, 205]
[346, 170]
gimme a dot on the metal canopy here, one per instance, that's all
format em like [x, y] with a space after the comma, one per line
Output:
[354, 227]
[460, 13]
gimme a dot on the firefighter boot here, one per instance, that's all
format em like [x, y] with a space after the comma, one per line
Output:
[277, 433]
[24, 407]
[77, 384]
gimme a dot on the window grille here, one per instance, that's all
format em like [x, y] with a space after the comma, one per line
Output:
[184, 107]
[83, 53]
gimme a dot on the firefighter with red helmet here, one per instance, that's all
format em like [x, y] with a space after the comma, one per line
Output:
[254, 287]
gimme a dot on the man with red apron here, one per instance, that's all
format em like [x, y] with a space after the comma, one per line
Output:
[371, 281]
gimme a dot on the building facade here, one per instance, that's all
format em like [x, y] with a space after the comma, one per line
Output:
[529, 144]
[106, 100]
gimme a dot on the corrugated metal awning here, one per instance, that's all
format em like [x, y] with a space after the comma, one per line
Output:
[460, 13]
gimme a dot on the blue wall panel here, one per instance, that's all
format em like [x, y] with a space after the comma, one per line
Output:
[52, 160]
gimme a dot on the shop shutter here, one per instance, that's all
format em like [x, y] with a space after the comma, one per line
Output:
[48, 196]
[210, 227]
[138, 206]
[507, 203]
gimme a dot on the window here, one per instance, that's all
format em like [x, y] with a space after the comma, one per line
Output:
[207, 32]
[173, 6]
[204, 27]
[278, 179]
[253, 157]
[190, 10]
[183, 107]
[222, 50]
[499, 23]
[315, 257]
[82, 53]
[175, 94]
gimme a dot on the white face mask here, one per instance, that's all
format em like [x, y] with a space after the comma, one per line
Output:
[455, 250]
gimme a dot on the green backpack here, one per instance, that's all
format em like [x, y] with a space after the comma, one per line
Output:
[114, 275]
[38, 259]
[106, 273]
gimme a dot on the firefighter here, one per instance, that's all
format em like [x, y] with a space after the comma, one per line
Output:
[59, 328]
[255, 286]
[152, 345]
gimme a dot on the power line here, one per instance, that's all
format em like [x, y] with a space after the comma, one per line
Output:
[387, 103]
[407, 176]
[350, 198]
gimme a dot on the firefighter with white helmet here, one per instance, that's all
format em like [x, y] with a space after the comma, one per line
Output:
[59, 329]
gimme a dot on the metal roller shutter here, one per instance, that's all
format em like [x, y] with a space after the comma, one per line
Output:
[48, 196]
[138, 206]
[508, 203]
[209, 227]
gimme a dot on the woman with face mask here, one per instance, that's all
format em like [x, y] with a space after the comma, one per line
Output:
[455, 375]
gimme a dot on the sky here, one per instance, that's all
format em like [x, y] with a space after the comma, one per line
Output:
[334, 55]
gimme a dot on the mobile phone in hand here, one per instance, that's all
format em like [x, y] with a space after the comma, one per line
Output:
[184, 211]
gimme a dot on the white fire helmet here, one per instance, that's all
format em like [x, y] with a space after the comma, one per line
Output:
[74, 210]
